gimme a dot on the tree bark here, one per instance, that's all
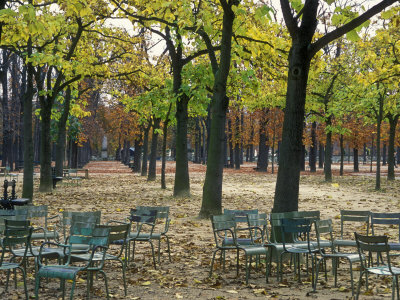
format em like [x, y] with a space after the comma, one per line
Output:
[313, 148]
[392, 137]
[378, 143]
[153, 154]
[341, 154]
[328, 156]
[355, 160]
[27, 187]
[137, 155]
[164, 148]
[62, 134]
[212, 189]
[145, 149]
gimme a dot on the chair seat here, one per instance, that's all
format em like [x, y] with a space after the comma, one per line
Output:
[394, 246]
[42, 235]
[57, 271]
[96, 257]
[144, 236]
[383, 270]
[254, 249]
[8, 266]
[349, 243]
[353, 257]
[240, 241]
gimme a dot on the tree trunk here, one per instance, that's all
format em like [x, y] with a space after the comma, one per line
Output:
[62, 134]
[328, 152]
[313, 148]
[7, 134]
[262, 161]
[341, 155]
[355, 160]
[230, 143]
[27, 188]
[153, 153]
[212, 189]
[145, 149]
[46, 182]
[378, 143]
[321, 156]
[384, 154]
[164, 148]
[365, 153]
[182, 183]
[287, 184]
[137, 155]
[392, 137]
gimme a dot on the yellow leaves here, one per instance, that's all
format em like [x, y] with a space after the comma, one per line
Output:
[146, 283]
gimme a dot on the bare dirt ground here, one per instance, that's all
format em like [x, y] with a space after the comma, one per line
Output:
[114, 189]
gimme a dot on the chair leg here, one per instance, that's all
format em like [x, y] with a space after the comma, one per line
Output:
[169, 250]
[212, 262]
[397, 287]
[37, 284]
[359, 285]
[24, 278]
[351, 278]
[247, 268]
[123, 276]
[316, 273]
[71, 297]
[237, 262]
[106, 283]
[154, 257]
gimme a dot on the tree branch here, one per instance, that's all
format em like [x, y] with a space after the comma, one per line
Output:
[329, 37]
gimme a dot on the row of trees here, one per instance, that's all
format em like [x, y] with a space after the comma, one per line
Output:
[224, 62]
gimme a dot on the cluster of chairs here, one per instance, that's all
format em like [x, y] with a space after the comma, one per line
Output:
[304, 236]
[76, 242]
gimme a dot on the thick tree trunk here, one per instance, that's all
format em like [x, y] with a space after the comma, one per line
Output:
[321, 156]
[145, 150]
[384, 151]
[341, 155]
[230, 143]
[378, 143]
[392, 137]
[137, 155]
[153, 153]
[27, 188]
[287, 184]
[62, 134]
[46, 182]
[182, 183]
[313, 148]
[355, 160]
[164, 148]
[262, 161]
[365, 153]
[7, 132]
[212, 189]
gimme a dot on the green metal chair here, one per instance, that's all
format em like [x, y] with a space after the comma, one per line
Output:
[354, 217]
[373, 249]
[67, 218]
[298, 227]
[385, 220]
[118, 236]
[226, 225]
[14, 239]
[97, 238]
[39, 215]
[143, 222]
[162, 226]
[324, 228]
